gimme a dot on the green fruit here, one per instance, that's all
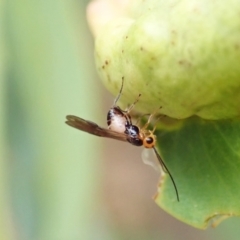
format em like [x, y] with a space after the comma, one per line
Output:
[181, 55]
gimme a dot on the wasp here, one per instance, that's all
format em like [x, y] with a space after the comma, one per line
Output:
[120, 127]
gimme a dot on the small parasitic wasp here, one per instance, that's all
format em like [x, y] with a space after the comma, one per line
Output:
[120, 128]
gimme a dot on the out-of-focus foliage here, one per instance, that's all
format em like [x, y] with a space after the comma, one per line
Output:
[47, 75]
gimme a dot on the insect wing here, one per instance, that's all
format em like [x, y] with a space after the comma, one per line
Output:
[94, 129]
[149, 158]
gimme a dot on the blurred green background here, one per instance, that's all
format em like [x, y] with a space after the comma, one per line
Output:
[57, 183]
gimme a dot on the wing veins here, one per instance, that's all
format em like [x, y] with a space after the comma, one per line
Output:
[93, 128]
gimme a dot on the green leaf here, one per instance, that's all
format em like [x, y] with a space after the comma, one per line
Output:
[204, 159]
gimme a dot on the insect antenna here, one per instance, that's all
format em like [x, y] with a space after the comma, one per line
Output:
[166, 170]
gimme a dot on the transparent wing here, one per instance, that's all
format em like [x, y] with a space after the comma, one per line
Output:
[149, 158]
[94, 129]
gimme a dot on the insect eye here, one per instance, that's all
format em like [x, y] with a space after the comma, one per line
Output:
[149, 142]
